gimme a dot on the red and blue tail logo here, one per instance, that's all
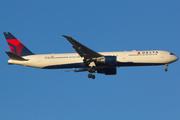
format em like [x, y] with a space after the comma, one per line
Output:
[16, 46]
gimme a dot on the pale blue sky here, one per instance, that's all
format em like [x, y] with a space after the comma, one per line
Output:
[138, 93]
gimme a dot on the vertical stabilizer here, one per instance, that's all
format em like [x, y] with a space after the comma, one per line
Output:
[16, 46]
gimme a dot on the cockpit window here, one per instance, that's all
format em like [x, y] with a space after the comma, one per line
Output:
[171, 54]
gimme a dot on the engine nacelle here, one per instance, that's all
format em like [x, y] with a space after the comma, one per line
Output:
[107, 71]
[107, 59]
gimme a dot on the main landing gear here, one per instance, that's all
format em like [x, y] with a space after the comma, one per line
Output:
[91, 76]
[166, 65]
[91, 70]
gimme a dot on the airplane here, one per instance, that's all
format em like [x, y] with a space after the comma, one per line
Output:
[86, 59]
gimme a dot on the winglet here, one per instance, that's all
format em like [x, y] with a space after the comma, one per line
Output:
[14, 56]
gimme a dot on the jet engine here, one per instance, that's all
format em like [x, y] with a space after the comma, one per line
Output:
[107, 71]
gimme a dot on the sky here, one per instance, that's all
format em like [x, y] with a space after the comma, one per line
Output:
[138, 93]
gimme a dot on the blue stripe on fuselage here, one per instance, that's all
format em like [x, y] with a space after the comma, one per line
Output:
[119, 64]
[74, 65]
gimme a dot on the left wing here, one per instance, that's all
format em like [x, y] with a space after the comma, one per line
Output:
[91, 58]
[82, 50]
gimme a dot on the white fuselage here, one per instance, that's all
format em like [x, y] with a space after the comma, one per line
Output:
[73, 60]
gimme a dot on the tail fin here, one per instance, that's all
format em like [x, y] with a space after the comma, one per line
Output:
[16, 46]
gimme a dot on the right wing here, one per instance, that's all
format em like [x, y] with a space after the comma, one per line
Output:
[78, 70]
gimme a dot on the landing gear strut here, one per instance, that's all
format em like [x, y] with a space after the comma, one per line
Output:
[166, 65]
[92, 70]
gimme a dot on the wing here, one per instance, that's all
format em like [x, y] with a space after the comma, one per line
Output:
[82, 50]
[78, 70]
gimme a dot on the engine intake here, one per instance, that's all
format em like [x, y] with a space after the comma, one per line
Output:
[107, 59]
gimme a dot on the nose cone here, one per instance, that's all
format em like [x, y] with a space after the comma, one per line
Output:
[175, 58]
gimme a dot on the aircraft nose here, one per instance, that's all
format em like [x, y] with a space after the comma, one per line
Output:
[175, 58]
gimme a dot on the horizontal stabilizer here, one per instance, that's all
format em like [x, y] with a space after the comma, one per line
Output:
[14, 56]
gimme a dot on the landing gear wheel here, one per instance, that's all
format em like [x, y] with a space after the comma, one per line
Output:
[166, 69]
[89, 75]
[93, 76]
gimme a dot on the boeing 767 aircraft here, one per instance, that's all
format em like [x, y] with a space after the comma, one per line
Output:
[86, 59]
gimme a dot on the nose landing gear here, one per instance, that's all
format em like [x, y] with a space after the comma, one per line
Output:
[166, 65]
